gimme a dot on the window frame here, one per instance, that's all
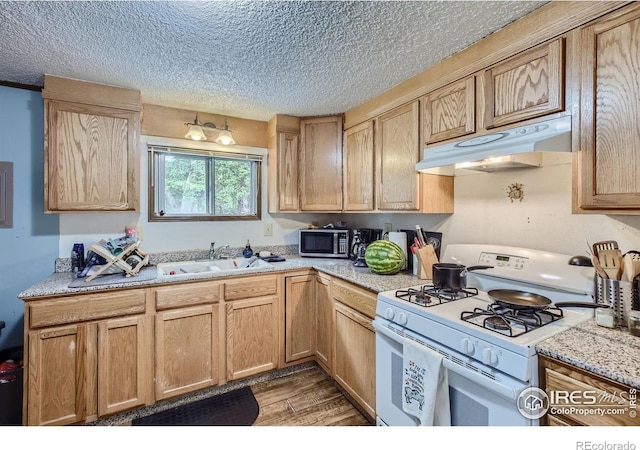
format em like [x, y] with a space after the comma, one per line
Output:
[211, 155]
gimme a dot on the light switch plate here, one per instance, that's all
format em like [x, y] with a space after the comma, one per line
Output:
[388, 227]
[268, 228]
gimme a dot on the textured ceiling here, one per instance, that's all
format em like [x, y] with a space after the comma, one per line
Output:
[250, 59]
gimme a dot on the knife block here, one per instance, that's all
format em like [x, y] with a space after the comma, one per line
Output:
[426, 259]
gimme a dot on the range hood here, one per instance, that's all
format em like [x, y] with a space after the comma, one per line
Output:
[518, 147]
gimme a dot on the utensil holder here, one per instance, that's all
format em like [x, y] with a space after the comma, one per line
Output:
[617, 294]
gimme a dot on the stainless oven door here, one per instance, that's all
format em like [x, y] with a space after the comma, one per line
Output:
[476, 399]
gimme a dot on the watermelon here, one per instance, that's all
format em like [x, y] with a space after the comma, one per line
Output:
[384, 257]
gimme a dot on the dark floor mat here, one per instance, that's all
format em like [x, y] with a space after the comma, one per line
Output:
[237, 407]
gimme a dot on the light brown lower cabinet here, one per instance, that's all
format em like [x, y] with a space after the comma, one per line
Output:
[186, 350]
[82, 371]
[324, 322]
[252, 336]
[187, 337]
[355, 354]
[252, 314]
[573, 391]
[92, 355]
[299, 317]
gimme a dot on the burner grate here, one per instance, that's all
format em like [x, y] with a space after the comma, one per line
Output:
[429, 295]
[509, 321]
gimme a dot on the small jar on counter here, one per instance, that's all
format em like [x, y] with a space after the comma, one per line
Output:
[634, 323]
[606, 317]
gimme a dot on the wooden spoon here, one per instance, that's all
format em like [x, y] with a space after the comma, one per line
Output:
[599, 270]
[603, 245]
[611, 262]
[631, 266]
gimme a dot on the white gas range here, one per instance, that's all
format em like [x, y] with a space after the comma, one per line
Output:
[489, 353]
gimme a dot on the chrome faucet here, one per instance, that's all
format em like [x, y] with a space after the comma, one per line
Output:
[216, 253]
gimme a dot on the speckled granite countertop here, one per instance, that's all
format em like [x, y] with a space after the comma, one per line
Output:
[57, 283]
[611, 353]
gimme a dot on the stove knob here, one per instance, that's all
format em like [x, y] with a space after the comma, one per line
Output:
[389, 313]
[467, 346]
[489, 357]
[402, 318]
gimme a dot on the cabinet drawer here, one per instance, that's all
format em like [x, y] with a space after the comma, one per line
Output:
[359, 299]
[85, 307]
[591, 393]
[250, 287]
[187, 295]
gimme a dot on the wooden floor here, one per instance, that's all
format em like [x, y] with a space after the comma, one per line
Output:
[306, 398]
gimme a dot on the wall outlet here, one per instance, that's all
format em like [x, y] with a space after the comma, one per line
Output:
[268, 228]
[388, 227]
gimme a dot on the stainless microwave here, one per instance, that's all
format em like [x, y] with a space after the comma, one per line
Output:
[324, 243]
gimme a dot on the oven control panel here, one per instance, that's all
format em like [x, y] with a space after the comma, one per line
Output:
[502, 260]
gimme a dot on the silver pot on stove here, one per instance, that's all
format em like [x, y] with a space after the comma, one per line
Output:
[451, 276]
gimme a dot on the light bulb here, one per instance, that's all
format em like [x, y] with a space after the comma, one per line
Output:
[225, 138]
[195, 132]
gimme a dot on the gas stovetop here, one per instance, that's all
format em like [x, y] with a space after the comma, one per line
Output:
[467, 315]
[497, 317]
[470, 323]
[472, 311]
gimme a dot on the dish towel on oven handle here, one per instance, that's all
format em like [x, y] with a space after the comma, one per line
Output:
[425, 387]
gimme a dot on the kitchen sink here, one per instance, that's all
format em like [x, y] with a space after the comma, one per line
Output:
[183, 268]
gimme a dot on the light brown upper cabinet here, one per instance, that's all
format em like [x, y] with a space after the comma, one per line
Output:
[283, 145]
[527, 85]
[358, 170]
[607, 176]
[321, 164]
[91, 147]
[449, 112]
[398, 151]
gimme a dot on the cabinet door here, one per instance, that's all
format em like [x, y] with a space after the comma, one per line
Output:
[355, 356]
[398, 151]
[58, 368]
[92, 158]
[528, 85]
[186, 350]
[288, 146]
[252, 336]
[300, 317]
[124, 364]
[609, 169]
[321, 164]
[324, 322]
[449, 112]
[559, 377]
[358, 168]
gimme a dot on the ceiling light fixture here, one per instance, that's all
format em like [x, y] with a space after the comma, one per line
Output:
[197, 132]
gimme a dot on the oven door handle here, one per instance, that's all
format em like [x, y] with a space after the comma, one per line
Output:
[500, 389]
